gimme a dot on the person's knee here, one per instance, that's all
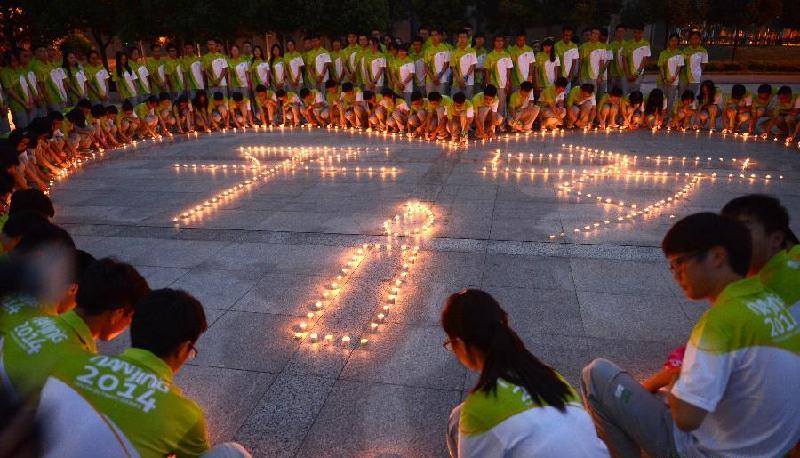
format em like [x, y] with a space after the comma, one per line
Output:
[226, 450]
[598, 373]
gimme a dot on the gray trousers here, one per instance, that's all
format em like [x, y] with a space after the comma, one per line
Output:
[671, 94]
[441, 88]
[469, 90]
[617, 81]
[694, 87]
[628, 418]
[632, 86]
[502, 95]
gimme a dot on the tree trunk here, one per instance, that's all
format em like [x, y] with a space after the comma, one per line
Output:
[735, 43]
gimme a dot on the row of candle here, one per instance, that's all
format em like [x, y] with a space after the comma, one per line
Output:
[415, 222]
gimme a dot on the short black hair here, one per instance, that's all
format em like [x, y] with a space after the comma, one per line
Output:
[152, 99]
[31, 200]
[261, 88]
[304, 92]
[34, 231]
[687, 95]
[387, 92]
[561, 82]
[764, 89]
[98, 110]
[526, 86]
[127, 105]
[767, 209]
[55, 115]
[416, 95]
[238, 97]
[616, 91]
[785, 90]
[695, 33]
[738, 91]
[490, 90]
[567, 28]
[459, 97]
[636, 97]
[84, 104]
[699, 232]
[82, 262]
[347, 87]
[587, 87]
[165, 319]
[218, 96]
[368, 95]
[279, 93]
[112, 110]
[108, 284]
[330, 84]
[164, 96]
[434, 96]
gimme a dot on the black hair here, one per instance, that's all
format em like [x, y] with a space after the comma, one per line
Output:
[330, 84]
[764, 89]
[82, 261]
[416, 95]
[218, 96]
[6, 183]
[687, 95]
[434, 96]
[475, 318]
[262, 88]
[164, 96]
[280, 93]
[767, 209]
[154, 46]
[112, 110]
[152, 99]
[526, 86]
[55, 115]
[76, 117]
[127, 105]
[587, 87]
[695, 32]
[552, 44]
[84, 104]
[98, 111]
[35, 231]
[368, 95]
[459, 97]
[711, 90]
[738, 91]
[699, 232]
[567, 28]
[561, 82]
[108, 284]
[200, 99]
[31, 200]
[671, 36]
[165, 319]
[655, 102]
[615, 92]
[417, 39]
[304, 92]
[490, 90]
[636, 97]
[237, 96]
[388, 92]
[347, 87]
[785, 91]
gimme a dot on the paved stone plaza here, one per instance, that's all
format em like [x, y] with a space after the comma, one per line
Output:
[259, 259]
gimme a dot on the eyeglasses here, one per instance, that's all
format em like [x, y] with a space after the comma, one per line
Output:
[679, 261]
[192, 351]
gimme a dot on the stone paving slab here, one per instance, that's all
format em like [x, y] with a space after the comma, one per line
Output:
[260, 260]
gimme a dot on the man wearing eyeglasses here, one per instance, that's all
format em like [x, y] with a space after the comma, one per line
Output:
[134, 392]
[735, 393]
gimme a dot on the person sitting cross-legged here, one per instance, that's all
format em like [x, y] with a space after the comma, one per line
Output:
[134, 393]
[520, 406]
[735, 393]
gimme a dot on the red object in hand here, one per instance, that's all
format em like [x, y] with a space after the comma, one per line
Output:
[675, 358]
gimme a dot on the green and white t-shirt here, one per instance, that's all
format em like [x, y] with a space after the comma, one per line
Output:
[523, 58]
[693, 58]
[592, 56]
[546, 69]
[567, 54]
[509, 423]
[32, 342]
[742, 366]
[193, 66]
[781, 274]
[240, 67]
[498, 63]
[135, 393]
[670, 63]
[479, 101]
[634, 52]
[575, 97]
[461, 60]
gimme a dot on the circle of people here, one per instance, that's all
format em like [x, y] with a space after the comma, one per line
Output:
[731, 390]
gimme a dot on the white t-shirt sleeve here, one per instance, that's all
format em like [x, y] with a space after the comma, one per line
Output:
[704, 377]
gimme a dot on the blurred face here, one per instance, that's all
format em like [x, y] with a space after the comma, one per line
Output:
[307, 44]
[673, 42]
[424, 33]
[23, 144]
[462, 40]
[234, 51]
[619, 34]
[595, 35]
[173, 53]
[188, 50]
[317, 43]
[53, 54]
[765, 245]
[211, 45]
[637, 34]
[337, 45]
[276, 51]
[692, 272]
[41, 53]
[362, 41]
[72, 59]
[351, 39]
[116, 322]
[694, 40]
[763, 96]
[435, 37]
[417, 45]
[94, 59]
[498, 43]
[135, 54]
[157, 52]
[26, 57]
[547, 49]
[520, 40]
[290, 46]
[479, 42]
[488, 99]
[567, 36]
[247, 48]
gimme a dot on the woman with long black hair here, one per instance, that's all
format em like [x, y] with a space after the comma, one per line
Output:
[520, 406]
